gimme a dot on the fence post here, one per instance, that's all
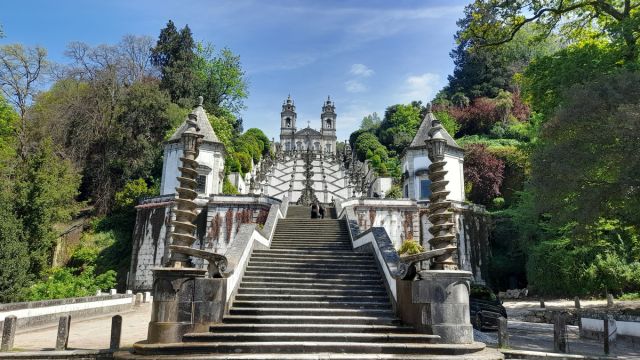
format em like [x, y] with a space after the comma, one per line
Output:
[64, 326]
[560, 333]
[8, 332]
[503, 335]
[577, 302]
[116, 332]
[542, 303]
[609, 300]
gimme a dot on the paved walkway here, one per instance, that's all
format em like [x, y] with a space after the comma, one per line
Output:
[91, 333]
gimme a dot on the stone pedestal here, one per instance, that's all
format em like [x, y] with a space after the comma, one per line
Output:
[184, 301]
[437, 302]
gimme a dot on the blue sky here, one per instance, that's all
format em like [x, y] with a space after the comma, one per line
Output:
[366, 54]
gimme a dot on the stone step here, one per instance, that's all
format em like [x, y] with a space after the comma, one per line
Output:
[339, 269]
[363, 291]
[308, 259]
[486, 354]
[311, 247]
[311, 319]
[311, 336]
[304, 256]
[353, 303]
[314, 275]
[311, 311]
[309, 241]
[314, 265]
[299, 252]
[312, 284]
[311, 298]
[279, 347]
[305, 328]
[312, 281]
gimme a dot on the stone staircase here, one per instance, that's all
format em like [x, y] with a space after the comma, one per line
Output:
[310, 296]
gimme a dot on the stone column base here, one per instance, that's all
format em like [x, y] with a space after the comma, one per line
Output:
[437, 302]
[184, 301]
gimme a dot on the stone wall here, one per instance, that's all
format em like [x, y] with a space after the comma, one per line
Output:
[218, 223]
[225, 215]
[472, 227]
[405, 219]
[39, 313]
[398, 217]
[149, 242]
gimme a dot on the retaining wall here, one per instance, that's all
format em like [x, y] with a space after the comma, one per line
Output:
[38, 313]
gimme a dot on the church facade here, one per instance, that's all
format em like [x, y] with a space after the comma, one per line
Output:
[292, 138]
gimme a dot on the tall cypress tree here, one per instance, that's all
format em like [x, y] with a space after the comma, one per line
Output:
[174, 55]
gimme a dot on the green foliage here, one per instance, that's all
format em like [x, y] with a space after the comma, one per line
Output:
[410, 247]
[395, 192]
[68, 282]
[223, 127]
[220, 80]
[448, 122]
[174, 55]
[228, 188]
[600, 261]
[133, 191]
[588, 167]
[547, 79]
[370, 122]
[14, 255]
[46, 187]
[399, 126]
[496, 22]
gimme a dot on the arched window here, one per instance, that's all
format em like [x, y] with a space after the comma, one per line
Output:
[328, 121]
[287, 122]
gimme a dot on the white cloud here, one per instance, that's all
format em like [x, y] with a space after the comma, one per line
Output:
[361, 70]
[355, 86]
[419, 87]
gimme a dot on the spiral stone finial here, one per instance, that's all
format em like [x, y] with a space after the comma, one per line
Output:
[440, 214]
[185, 211]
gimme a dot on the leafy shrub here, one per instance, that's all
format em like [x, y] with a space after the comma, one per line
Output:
[228, 188]
[410, 247]
[65, 283]
[133, 191]
[484, 171]
[395, 192]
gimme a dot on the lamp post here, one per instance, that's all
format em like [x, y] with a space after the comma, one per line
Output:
[439, 212]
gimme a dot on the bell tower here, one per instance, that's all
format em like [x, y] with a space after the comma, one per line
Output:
[287, 124]
[328, 128]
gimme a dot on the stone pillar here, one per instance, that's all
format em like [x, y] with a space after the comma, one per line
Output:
[64, 327]
[184, 301]
[438, 303]
[560, 333]
[116, 332]
[503, 334]
[8, 332]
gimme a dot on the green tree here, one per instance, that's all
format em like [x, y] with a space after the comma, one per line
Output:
[22, 70]
[400, 125]
[497, 22]
[46, 186]
[220, 80]
[547, 78]
[587, 166]
[174, 54]
[14, 254]
[370, 122]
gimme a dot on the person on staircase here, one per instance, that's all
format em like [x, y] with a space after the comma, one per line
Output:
[321, 211]
[314, 210]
